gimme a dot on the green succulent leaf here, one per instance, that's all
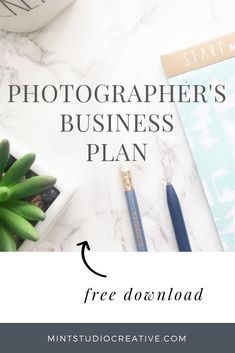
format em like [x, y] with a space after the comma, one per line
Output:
[31, 186]
[4, 193]
[18, 225]
[25, 210]
[4, 154]
[7, 241]
[18, 170]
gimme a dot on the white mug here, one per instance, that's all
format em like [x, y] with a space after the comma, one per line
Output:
[29, 15]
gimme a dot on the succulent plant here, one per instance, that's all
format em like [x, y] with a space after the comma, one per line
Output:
[16, 212]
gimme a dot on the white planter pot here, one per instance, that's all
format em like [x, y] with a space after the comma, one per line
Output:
[29, 15]
[56, 208]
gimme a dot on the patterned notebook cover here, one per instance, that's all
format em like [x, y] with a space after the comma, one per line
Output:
[210, 127]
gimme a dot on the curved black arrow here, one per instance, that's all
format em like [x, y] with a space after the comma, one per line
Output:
[84, 245]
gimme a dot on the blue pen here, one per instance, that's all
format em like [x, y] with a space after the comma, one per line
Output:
[134, 212]
[177, 219]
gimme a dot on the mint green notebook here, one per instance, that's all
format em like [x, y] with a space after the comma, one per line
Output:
[210, 127]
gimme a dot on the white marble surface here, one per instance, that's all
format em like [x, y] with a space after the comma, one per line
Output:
[111, 42]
